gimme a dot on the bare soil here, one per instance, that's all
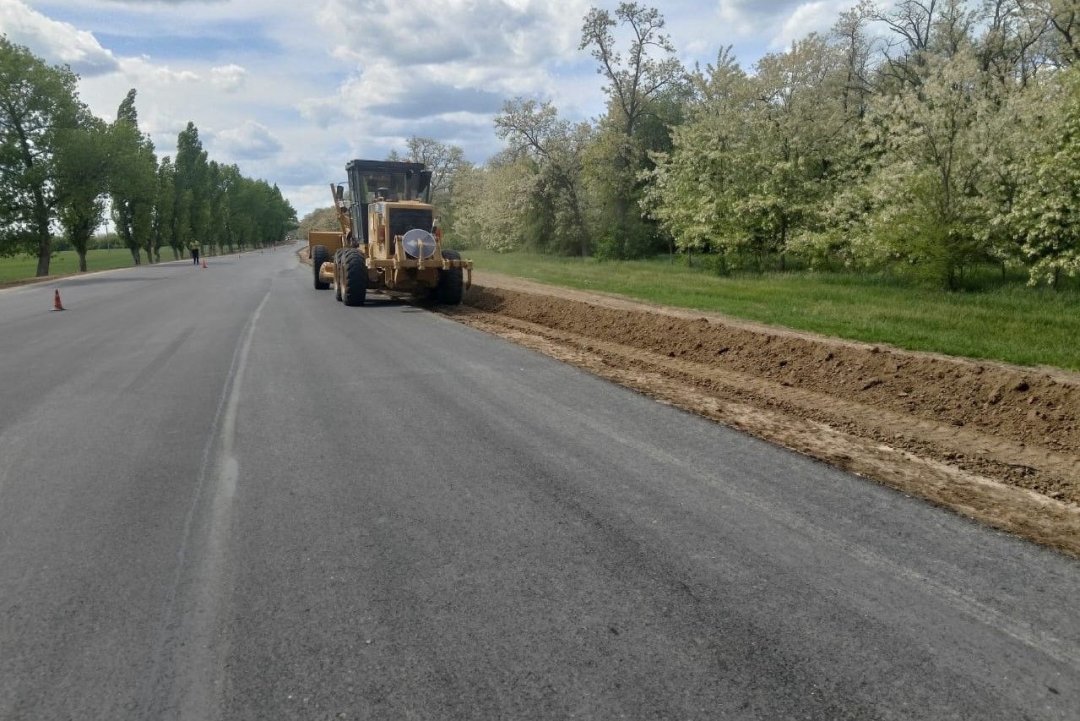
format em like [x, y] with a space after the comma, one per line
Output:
[997, 443]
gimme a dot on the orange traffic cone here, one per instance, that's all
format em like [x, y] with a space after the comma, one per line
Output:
[204, 262]
[57, 305]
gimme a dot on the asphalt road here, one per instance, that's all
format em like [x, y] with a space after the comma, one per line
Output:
[225, 496]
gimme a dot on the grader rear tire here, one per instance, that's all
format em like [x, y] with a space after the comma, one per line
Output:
[450, 289]
[319, 255]
[354, 273]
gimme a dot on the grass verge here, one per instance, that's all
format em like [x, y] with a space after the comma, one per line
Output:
[1010, 322]
[23, 267]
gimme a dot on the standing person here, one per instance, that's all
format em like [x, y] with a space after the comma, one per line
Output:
[194, 248]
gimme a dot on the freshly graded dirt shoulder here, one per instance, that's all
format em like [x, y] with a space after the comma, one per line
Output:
[994, 442]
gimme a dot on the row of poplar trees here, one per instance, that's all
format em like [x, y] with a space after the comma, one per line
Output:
[933, 135]
[62, 168]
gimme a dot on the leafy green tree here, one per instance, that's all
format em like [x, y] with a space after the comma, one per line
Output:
[441, 159]
[929, 209]
[231, 212]
[82, 180]
[919, 29]
[637, 80]
[910, 24]
[949, 144]
[192, 187]
[852, 38]
[752, 167]
[165, 210]
[223, 222]
[444, 161]
[250, 212]
[797, 123]
[491, 204]
[275, 216]
[318, 219]
[37, 103]
[1064, 19]
[242, 209]
[953, 29]
[554, 146]
[693, 188]
[1015, 44]
[133, 181]
[215, 207]
[182, 219]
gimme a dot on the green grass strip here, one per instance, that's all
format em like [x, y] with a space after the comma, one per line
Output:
[1010, 322]
[23, 267]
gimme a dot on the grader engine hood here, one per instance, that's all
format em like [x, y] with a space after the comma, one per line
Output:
[402, 217]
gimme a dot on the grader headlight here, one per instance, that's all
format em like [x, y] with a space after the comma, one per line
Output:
[419, 244]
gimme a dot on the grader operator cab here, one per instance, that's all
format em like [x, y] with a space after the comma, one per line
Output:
[389, 238]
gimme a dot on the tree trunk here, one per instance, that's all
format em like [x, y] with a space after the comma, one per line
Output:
[41, 208]
[44, 255]
[579, 220]
[135, 256]
[783, 241]
[82, 260]
[41, 213]
[622, 202]
[149, 256]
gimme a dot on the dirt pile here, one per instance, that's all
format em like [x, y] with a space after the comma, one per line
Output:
[994, 442]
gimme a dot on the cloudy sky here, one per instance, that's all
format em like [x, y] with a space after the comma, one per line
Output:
[290, 90]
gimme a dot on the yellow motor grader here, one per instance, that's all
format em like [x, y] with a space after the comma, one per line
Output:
[389, 240]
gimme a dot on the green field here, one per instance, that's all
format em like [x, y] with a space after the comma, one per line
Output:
[23, 267]
[1008, 322]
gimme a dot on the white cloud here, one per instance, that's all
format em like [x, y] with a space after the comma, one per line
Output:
[502, 33]
[228, 77]
[169, 2]
[446, 56]
[741, 18]
[808, 18]
[141, 70]
[57, 42]
[778, 22]
[249, 141]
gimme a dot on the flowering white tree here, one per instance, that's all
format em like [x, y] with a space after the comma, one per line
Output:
[928, 208]
[1046, 214]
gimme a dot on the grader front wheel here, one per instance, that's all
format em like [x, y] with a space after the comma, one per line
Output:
[451, 287]
[354, 273]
